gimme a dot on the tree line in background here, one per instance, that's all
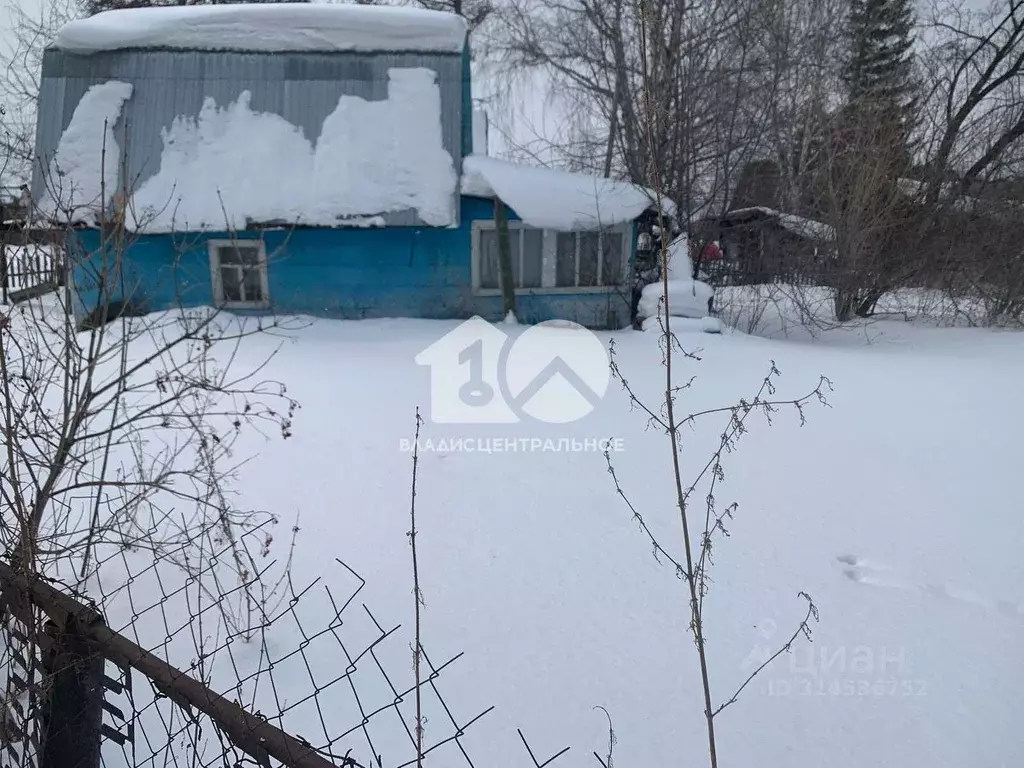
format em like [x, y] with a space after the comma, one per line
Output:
[904, 132]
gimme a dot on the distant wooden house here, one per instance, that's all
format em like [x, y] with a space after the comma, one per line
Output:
[761, 244]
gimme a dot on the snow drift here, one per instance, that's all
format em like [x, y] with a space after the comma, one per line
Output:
[267, 27]
[83, 174]
[686, 297]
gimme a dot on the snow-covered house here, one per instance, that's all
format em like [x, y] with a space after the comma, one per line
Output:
[314, 159]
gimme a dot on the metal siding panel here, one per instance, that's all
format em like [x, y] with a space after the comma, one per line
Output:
[156, 65]
[304, 88]
[264, 97]
[244, 66]
[49, 127]
[53, 63]
[74, 90]
[154, 105]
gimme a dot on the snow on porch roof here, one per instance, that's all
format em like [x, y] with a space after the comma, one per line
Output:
[551, 199]
[267, 27]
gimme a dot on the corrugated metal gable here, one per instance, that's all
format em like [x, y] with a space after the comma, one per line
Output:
[303, 88]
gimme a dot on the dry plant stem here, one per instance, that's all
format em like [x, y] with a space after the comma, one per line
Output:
[804, 629]
[418, 649]
[696, 624]
[607, 762]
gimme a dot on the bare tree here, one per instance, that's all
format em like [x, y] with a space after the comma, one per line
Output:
[804, 50]
[475, 12]
[859, 196]
[21, 60]
[976, 101]
[701, 59]
[122, 431]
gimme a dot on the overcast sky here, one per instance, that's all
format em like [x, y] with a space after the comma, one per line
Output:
[527, 113]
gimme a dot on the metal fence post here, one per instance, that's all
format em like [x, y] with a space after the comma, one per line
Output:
[74, 708]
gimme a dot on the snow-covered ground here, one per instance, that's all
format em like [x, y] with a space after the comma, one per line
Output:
[896, 509]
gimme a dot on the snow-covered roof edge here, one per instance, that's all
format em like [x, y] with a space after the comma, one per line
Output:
[798, 225]
[561, 200]
[267, 27]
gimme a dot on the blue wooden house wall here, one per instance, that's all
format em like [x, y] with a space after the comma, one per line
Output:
[343, 273]
[406, 270]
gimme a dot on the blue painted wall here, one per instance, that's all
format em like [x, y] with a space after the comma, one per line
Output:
[341, 273]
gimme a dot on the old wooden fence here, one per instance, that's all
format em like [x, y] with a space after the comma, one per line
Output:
[32, 262]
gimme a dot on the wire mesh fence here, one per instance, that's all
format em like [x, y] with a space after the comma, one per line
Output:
[175, 672]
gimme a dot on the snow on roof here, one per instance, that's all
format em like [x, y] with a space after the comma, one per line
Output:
[552, 199]
[84, 169]
[230, 165]
[371, 158]
[798, 225]
[266, 27]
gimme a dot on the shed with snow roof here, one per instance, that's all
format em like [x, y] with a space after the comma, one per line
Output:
[319, 159]
[763, 245]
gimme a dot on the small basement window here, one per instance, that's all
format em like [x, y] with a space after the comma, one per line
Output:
[239, 269]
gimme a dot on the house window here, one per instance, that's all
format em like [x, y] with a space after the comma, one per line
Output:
[239, 273]
[589, 259]
[545, 259]
[526, 249]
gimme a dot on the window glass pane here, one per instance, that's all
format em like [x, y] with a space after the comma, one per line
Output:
[489, 258]
[611, 254]
[243, 254]
[533, 253]
[253, 284]
[231, 283]
[228, 255]
[589, 252]
[249, 254]
[565, 260]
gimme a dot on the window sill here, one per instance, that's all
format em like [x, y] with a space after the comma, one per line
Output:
[229, 305]
[601, 289]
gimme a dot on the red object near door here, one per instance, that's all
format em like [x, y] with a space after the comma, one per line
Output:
[712, 252]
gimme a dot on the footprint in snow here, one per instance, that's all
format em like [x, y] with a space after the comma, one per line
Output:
[863, 571]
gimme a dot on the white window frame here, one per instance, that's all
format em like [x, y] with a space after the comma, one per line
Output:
[490, 226]
[213, 248]
[549, 256]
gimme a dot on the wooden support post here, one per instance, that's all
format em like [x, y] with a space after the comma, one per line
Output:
[508, 287]
[74, 706]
